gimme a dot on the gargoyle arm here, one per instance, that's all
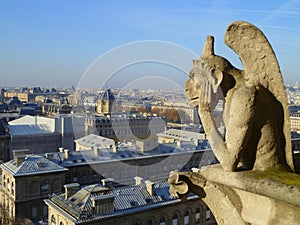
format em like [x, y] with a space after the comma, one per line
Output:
[238, 127]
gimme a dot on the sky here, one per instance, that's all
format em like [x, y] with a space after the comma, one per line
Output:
[58, 43]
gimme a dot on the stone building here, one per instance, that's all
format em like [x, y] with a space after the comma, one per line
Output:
[105, 102]
[4, 141]
[41, 134]
[124, 126]
[295, 122]
[42, 175]
[26, 181]
[143, 203]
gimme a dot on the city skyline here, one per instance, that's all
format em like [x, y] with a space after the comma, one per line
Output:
[54, 43]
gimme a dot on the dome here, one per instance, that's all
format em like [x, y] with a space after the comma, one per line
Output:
[106, 95]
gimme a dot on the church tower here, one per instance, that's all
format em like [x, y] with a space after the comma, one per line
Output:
[105, 102]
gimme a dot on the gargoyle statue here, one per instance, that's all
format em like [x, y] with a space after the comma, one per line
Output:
[255, 114]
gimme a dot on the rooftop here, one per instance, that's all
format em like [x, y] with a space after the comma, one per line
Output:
[181, 135]
[79, 207]
[95, 141]
[29, 129]
[31, 165]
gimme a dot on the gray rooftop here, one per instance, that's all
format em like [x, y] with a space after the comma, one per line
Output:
[32, 165]
[95, 141]
[181, 135]
[29, 129]
[125, 199]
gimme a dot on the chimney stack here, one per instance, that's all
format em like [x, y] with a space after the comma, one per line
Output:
[49, 155]
[107, 182]
[20, 159]
[179, 144]
[138, 180]
[70, 189]
[67, 154]
[20, 152]
[150, 187]
[106, 200]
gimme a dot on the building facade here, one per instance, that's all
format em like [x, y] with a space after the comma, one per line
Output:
[26, 181]
[122, 126]
[295, 122]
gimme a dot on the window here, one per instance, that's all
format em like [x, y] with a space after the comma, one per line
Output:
[174, 219]
[207, 214]
[53, 220]
[149, 222]
[12, 188]
[34, 211]
[4, 181]
[197, 216]
[34, 190]
[8, 184]
[187, 217]
[162, 221]
[44, 187]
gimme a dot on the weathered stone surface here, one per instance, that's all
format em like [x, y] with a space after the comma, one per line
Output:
[256, 113]
[245, 197]
[254, 183]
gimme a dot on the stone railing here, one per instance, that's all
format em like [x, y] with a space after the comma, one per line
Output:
[245, 197]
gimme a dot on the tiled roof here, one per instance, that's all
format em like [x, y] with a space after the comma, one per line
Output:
[33, 164]
[95, 141]
[126, 199]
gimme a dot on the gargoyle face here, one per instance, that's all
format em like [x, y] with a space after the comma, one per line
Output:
[203, 80]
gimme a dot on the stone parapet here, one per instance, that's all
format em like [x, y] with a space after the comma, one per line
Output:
[244, 197]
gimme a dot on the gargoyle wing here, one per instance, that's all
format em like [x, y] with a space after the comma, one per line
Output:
[261, 67]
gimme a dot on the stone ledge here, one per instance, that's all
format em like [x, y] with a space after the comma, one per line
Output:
[281, 186]
[244, 197]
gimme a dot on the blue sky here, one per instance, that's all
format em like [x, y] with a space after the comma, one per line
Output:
[53, 43]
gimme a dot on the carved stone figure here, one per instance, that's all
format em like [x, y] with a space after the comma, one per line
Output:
[256, 113]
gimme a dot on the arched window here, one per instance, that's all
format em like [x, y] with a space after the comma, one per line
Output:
[44, 187]
[34, 188]
[207, 214]
[12, 188]
[197, 216]
[150, 222]
[53, 220]
[175, 219]
[8, 184]
[162, 221]
[187, 217]
[61, 223]
[4, 181]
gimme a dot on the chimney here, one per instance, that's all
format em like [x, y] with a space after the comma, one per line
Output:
[49, 155]
[179, 144]
[106, 200]
[107, 182]
[115, 149]
[138, 180]
[20, 159]
[96, 153]
[67, 153]
[150, 187]
[20, 152]
[70, 189]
